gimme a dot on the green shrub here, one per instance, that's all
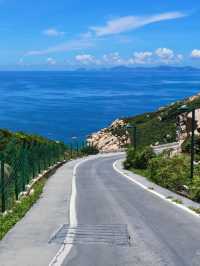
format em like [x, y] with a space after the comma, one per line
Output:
[154, 167]
[186, 146]
[89, 150]
[195, 189]
[172, 173]
[139, 159]
[130, 156]
[143, 157]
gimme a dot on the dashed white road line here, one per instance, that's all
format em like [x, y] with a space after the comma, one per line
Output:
[154, 192]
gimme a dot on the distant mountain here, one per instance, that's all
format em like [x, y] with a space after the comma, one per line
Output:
[82, 69]
[157, 68]
[126, 69]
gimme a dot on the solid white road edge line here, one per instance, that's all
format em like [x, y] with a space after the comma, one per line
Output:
[154, 192]
[65, 249]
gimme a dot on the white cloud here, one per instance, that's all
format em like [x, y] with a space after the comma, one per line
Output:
[112, 59]
[180, 57]
[195, 54]
[159, 56]
[128, 23]
[71, 45]
[141, 58]
[85, 59]
[51, 61]
[167, 56]
[164, 53]
[52, 32]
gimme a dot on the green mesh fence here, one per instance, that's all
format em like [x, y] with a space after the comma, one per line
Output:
[19, 164]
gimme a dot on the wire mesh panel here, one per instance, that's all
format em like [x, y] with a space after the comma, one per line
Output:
[21, 162]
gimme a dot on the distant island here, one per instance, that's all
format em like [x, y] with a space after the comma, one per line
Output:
[126, 69]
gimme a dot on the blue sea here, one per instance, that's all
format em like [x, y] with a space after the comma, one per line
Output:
[64, 105]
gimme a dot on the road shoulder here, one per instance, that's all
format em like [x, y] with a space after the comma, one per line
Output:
[165, 194]
[26, 244]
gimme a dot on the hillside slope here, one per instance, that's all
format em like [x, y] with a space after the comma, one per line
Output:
[157, 127]
[18, 139]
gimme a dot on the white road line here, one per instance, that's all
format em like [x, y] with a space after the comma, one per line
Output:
[66, 248]
[154, 192]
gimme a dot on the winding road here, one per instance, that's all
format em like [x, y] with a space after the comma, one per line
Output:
[120, 224]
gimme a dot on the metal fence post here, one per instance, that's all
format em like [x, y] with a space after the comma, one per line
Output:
[23, 169]
[16, 172]
[38, 154]
[45, 157]
[77, 148]
[49, 155]
[33, 161]
[71, 150]
[3, 198]
[192, 144]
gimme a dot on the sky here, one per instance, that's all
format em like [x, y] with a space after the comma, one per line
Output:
[68, 34]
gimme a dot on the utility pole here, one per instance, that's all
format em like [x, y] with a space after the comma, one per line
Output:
[135, 137]
[134, 132]
[188, 109]
[192, 144]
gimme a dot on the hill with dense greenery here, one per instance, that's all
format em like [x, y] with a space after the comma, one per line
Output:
[160, 126]
[167, 170]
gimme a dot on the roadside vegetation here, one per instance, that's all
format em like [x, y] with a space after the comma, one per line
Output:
[167, 170]
[89, 150]
[159, 126]
[20, 208]
[25, 162]
[171, 172]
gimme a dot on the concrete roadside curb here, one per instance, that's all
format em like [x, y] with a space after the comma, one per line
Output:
[165, 194]
[31, 234]
[46, 173]
[28, 242]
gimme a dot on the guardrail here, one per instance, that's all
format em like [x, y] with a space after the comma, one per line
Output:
[160, 148]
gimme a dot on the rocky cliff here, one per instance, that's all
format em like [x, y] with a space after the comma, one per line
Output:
[112, 138]
[165, 125]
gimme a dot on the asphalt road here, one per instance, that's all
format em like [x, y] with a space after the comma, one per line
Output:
[106, 203]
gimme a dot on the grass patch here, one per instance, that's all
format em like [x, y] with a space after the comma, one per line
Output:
[142, 172]
[197, 210]
[8, 220]
[177, 201]
[169, 197]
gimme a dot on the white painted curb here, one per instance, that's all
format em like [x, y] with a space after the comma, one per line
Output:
[154, 192]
